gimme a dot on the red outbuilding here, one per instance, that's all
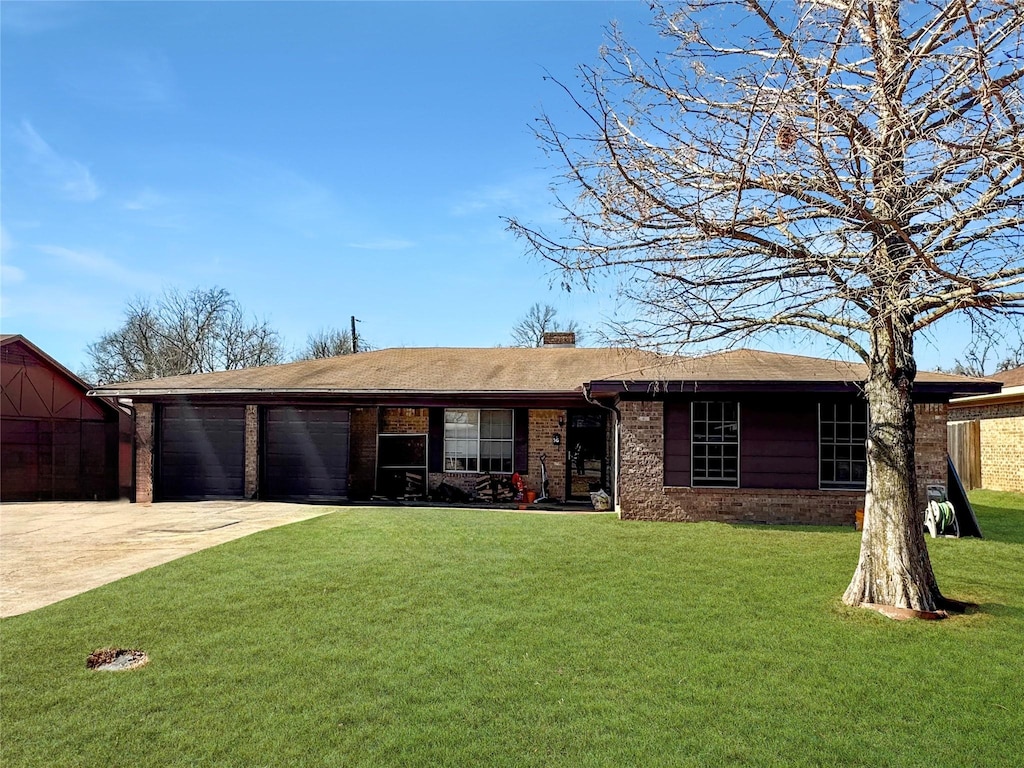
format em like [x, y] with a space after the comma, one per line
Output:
[56, 443]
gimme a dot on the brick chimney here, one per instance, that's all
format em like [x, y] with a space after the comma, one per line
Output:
[559, 339]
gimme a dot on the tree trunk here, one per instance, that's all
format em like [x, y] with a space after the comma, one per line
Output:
[894, 567]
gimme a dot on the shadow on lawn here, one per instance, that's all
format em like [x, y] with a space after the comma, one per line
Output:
[1000, 609]
[1003, 525]
[769, 527]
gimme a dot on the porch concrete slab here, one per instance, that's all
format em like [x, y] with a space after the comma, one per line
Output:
[50, 551]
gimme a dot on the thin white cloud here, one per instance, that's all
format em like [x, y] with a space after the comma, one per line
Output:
[384, 244]
[145, 200]
[489, 197]
[11, 274]
[70, 178]
[6, 243]
[36, 18]
[126, 80]
[99, 264]
[523, 196]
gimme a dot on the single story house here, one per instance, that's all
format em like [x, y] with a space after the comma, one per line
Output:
[57, 444]
[990, 429]
[738, 435]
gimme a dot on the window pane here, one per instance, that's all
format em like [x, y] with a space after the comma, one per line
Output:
[496, 425]
[461, 416]
[842, 447]
[461, 431]
[478, 441]
[714, 442]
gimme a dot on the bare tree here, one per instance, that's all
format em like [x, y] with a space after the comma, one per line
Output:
[851, 168]
[197, 331]
[993, 348]
[540, 319]
[327, 342]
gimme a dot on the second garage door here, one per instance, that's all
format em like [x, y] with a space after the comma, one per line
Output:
[305, 453]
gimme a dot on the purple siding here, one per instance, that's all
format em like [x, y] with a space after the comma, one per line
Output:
[778, 442]
[677, 443]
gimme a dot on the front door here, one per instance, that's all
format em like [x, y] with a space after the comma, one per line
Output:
[586, 453]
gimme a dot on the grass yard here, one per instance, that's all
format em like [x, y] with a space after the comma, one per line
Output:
[464, 638]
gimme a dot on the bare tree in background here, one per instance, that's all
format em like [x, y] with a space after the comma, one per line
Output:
[327, 342]
[196, 331]
[540, 319]
[851, 168]
[993, 349]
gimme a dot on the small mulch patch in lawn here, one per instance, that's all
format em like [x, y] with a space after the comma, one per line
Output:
[116, 659]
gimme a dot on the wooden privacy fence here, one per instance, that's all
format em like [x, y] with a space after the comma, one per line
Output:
[964, 439]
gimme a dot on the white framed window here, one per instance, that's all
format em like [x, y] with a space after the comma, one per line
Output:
[842, 445]
[714, 444]
[478, 440]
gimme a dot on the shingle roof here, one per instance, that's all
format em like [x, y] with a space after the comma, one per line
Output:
[506, 369]
[1011, 378]
[753, 365]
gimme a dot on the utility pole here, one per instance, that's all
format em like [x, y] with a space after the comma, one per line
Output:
[355, 343]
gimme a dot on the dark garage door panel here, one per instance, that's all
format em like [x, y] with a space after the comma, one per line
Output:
[202, 452]
[305, 453]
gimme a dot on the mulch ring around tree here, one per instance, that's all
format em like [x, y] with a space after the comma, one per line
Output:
[947, 607]
[116, 659]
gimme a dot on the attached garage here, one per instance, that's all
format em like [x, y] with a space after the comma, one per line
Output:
[305, 453]
[200, 452]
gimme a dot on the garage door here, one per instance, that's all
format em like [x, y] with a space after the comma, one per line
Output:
[201, 452]
[305, 453]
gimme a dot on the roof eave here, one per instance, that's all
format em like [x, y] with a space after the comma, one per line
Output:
[690, 386]
[332, 392]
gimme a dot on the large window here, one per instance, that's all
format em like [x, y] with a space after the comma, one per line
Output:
[715, 444]
[478, 440]
[843, 431]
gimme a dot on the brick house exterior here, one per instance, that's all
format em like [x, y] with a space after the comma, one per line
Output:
[645, 495]
[400, 423]
[1000, 418]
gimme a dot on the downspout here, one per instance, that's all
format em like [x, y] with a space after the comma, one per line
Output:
[615, 445]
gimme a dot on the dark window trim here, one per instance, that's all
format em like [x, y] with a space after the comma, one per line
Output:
[703, 482]
[478, 471]
[838, 485]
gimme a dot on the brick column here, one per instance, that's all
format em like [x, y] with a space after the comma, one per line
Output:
[252, 451]
[642, 457]
[144, 453]
[544, 424]
[930, 448]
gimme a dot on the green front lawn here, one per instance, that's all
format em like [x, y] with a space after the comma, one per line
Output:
[467, 638]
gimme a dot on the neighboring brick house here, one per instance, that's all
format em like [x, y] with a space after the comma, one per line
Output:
[999, 432]
[55, 442]
[740, 435]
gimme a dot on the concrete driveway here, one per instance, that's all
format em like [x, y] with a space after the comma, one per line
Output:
[51, 551]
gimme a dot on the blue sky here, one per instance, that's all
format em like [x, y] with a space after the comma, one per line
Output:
[318, 160]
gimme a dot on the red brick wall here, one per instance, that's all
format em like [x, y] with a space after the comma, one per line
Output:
[404, 421]
[643, 495]
[543, 425]
[931, 447]
[252, 451]
[144, 453]
[362, 454]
